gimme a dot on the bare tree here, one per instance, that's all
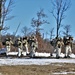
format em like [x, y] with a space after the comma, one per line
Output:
[36, 23]
[5, 9]
[58, 12]
[25, 30]
[66, 30]
[51, 33]
[0, 9]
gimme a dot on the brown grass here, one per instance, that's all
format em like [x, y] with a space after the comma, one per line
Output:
[37, 69]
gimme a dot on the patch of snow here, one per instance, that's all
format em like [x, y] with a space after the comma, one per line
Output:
[19, 61]
[72, 55]
[36, 54]
[42, 54]
[31, 61]
[62, 55]
[57, 73]
[12, 53]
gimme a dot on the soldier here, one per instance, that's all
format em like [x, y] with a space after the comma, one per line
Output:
[68, 46]
[25, 44]
[34, 46]
[58, 47]
[8, 43]
[53, 43]
[20, 46]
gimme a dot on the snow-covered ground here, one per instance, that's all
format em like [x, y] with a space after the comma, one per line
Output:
[37, 61]
[42, 54]
[36, 54]
[33, 61]
[26, 61]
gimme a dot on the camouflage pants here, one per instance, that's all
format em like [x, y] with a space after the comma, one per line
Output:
[68, 50]
[58, 52]
[19, 52]
[7, 49]
[26, 49]
[32, 52]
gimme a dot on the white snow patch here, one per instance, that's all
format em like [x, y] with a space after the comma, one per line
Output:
[57, 73]
[42, 54]
[12, 53]
[34, 61]
[25, 61]
[38, 54]
[72, 55]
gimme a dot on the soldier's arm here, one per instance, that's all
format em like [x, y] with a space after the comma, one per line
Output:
[62, 43]
[11, 43]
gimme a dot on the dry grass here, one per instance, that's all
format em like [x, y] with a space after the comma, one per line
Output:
[37, 70]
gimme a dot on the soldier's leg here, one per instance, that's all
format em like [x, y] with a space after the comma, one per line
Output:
[26, 49]
[7, 50]
[53, 51]
[66, 51]
[19, 52]
[32, 52]
[57, 52]
[69, 51]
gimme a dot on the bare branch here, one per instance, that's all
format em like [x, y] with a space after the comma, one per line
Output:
[6, 11]
[36, 23]
[60, 7]
[53, 14]
[67, 30]
[26, 31]
[51, 33]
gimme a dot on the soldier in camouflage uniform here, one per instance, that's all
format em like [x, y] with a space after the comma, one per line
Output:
[34, 46]
[59, 45]
[53, 43]
[25, 44]
[8, 43]
[20, 47]
[68, 46]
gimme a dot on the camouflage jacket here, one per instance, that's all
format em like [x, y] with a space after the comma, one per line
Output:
[19, 44]
[59, 44]
[9, 43]
[24, 42]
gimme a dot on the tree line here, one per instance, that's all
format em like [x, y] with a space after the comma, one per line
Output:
[59, 9]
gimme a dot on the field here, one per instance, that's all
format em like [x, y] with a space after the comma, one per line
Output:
[39, 66]
[52, 69]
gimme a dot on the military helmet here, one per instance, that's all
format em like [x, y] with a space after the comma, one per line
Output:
[10, 38]
[59, 39]
[25, 38]
[19, 39]
[33, 37]
[67, 37]
[7, 39]
[71, 37]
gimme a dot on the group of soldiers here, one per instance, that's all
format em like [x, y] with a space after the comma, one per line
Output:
[66, 43]
[30, 44]
[23, 43]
